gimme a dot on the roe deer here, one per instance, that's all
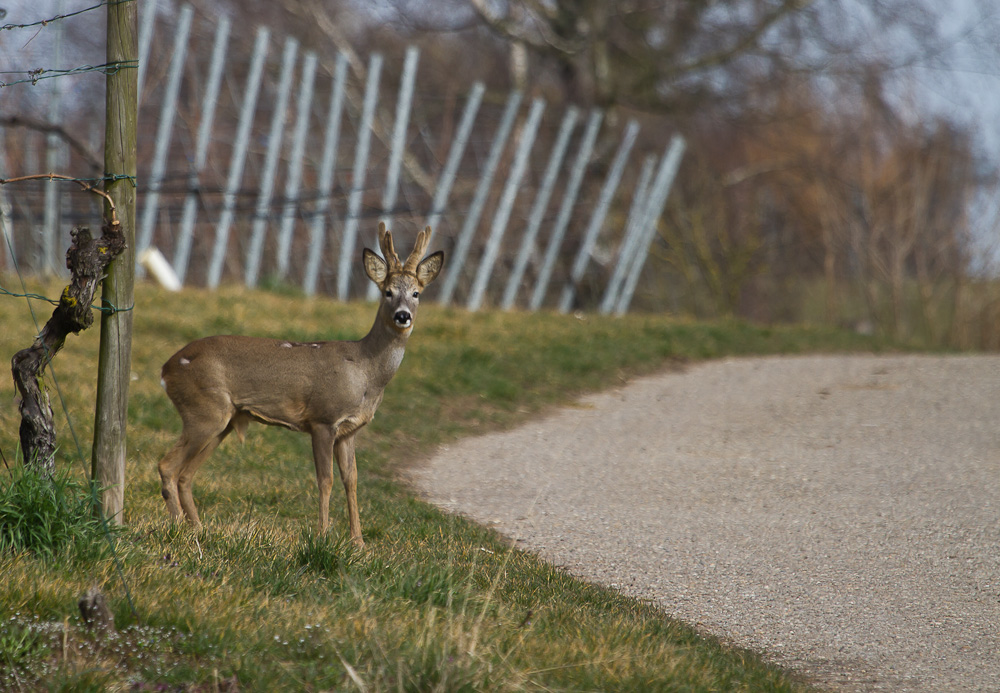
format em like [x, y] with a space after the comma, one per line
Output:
[326, 389]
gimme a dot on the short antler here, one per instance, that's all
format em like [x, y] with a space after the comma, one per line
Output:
[385, 242]
[419, 248]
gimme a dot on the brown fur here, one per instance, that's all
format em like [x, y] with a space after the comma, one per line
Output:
[329, 390]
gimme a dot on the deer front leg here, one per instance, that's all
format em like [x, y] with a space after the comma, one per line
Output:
[322, 444]
[344, 451]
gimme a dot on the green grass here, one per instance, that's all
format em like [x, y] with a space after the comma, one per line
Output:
[258, 601]
[50, 517]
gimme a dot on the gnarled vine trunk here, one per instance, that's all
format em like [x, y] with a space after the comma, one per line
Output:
[87, 260]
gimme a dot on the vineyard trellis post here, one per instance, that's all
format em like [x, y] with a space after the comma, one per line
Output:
[6, 226]
[115, 359]
[631, 238]
[653, 208]
[182, 253]
[566, 209]
[391, 189]
[294, 180]
[238, 159]
[53, 161]
[461, 251]
[270, 171]
[502, 215]
[455, 152]
[540, 205]
[164, 131]
[360, 170]
[519, 256]
[331, 141]
[598, 215]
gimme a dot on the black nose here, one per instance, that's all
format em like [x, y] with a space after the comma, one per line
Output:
[402, 318]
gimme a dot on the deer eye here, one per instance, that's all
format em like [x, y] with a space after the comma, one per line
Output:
[416, 294]
[388, 293]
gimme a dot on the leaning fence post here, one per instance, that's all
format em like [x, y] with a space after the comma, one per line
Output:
[182, 252]
[238, 158]
[317, 227]
[53, 151]
[566, 210]
[294, 179]
[597, 217]
[145, 41]
[399, 134]
[358, 179]
[455, 154]
[654, 208]
[540, 205]
[164, 131]
[504, 207]
[398, 146]
[6, 229]
[262, 211]
[461, 250]
[631, 237]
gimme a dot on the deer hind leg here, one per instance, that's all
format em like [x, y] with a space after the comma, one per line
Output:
[322, 444]
[186, 476]
[343, 449]
[169, 468]
[199, 438]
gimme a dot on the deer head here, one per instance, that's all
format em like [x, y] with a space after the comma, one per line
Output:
[401, 283]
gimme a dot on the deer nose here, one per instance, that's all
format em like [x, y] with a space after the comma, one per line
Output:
[403, 318]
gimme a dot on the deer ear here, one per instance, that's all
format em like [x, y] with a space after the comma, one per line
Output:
[375, 267]
[429, 267]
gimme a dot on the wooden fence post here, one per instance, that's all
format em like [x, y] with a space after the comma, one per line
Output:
[115, 361]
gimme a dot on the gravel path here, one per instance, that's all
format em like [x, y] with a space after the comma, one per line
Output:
[839, 513]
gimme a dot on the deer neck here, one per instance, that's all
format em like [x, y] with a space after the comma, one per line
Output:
[384, 346]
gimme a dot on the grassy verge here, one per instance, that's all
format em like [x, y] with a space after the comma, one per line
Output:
[258, 601]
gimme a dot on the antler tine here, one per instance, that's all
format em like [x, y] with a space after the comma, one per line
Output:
[385, 242]
[419, 248]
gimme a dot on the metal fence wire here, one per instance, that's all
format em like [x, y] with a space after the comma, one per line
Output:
[261, 162]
